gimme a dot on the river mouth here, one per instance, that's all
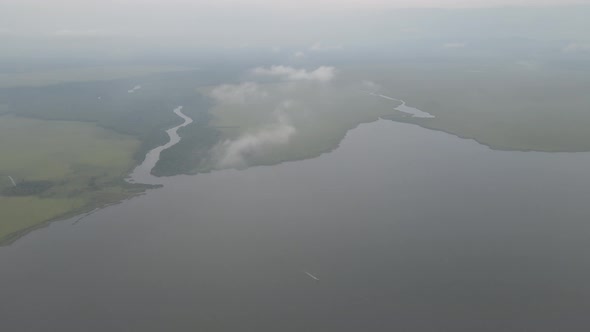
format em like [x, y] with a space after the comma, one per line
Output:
[143, 173]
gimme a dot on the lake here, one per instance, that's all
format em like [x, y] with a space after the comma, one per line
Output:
[399, 229]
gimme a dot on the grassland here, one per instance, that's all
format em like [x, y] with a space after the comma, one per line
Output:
[506, 107]
[70, 145]
[144, 114]
[81, 163]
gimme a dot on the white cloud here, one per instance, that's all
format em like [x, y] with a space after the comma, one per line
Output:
[321, 74]
[235, 153]
[238, 93]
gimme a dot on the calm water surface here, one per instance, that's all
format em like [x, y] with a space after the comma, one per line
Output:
[406, 230]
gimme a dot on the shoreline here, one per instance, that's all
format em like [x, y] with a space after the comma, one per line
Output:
[139, 178]
[129, 182]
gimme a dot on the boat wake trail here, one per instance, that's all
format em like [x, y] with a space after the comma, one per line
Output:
[312, 276]
[12, 180]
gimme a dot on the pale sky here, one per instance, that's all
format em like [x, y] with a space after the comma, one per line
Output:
[377, 3]
[132, 26]
[313, 3]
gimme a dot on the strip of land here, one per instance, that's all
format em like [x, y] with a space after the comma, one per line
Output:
[76, 167]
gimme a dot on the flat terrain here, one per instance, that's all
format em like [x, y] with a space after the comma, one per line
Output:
[69, 137]
[59, 167]
[69, 145]
[507, 107]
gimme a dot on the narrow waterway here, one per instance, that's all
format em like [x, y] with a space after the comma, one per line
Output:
[142, 173]
[404, 108]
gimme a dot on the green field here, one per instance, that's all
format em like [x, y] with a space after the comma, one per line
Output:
[506, 107]
[79, 164]
[69, 145]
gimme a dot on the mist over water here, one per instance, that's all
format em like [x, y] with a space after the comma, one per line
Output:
[404, 228]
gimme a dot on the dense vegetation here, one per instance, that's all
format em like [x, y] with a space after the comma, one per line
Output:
[144, 113]
[27, 188]
[70, 145]
[59, 168]
[191, 153]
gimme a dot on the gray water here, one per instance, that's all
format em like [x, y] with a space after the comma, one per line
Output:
[405, 229]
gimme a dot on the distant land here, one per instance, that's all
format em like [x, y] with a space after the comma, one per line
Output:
[69, 138]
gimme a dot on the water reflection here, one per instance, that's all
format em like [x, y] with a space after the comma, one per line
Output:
[406, 229]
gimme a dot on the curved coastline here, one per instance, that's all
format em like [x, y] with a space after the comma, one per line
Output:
[141, 175]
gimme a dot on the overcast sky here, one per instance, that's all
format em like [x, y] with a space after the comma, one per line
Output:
[302, 3]
[82, 27]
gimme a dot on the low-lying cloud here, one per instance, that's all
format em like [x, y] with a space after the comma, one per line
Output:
[235, 153]
[238, 93]
[321, 74]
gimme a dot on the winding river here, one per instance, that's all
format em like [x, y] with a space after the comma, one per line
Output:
[142, 173]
